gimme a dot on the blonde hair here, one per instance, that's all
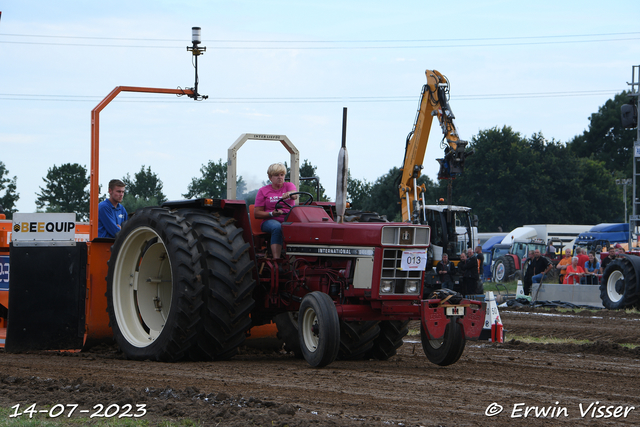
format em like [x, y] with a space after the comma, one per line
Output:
[275, 169]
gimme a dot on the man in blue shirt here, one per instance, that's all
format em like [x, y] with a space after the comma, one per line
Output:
[111, 214]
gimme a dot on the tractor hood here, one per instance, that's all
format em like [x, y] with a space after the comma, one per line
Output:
[520, 234]
[614, 233]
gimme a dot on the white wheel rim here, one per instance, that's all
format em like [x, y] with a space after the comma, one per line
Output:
[142, 287]
[500, 272]
[613, 295]
[311, 339]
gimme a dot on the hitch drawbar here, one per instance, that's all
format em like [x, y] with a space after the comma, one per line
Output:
[436, 315]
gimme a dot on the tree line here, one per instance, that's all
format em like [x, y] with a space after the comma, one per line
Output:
[511, 179]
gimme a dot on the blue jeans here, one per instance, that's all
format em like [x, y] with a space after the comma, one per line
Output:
[537, 278]
[273, 227]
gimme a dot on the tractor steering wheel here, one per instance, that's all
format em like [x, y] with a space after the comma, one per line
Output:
[302, 193]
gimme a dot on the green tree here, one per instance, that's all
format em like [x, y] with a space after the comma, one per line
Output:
[512, 180]
[10, 197]
[145, 189]
[307, 170]
[65, 191]
[358, 192]
[382, 195]
[213, 182]
[605, 139]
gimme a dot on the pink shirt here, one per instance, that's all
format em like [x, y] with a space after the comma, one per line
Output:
[267, 198]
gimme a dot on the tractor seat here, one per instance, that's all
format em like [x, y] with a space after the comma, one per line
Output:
[255, 223]
[261, 240]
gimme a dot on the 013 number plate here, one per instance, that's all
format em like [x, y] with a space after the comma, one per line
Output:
[413, 259]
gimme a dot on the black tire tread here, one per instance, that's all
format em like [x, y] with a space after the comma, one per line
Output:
[509, 266]
[357, 339]
[390, 339]
[180, 331]
[226, 269]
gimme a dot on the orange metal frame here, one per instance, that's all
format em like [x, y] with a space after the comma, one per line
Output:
[97, 320]
[95, 143]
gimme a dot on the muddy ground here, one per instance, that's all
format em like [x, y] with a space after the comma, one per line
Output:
[587, 384]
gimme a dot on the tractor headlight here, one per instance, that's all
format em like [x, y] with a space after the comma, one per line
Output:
[412, 286]
[386, 286]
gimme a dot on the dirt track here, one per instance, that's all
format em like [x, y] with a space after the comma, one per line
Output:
[270, 388]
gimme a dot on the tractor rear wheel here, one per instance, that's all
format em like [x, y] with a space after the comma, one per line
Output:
[389, 340]
[619, 288]
[226, 269]
[447, 350]
[357, 338]
[318, 329]
[153, 287]
[504, 268]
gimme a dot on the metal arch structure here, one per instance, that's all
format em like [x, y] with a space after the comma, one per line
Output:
[232, 159]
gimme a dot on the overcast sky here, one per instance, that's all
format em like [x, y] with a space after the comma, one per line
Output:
[289, 67]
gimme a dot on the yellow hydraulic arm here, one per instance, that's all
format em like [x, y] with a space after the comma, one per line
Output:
[433, 102]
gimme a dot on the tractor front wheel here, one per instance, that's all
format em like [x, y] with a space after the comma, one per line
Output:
[318, 329]
[447, 350]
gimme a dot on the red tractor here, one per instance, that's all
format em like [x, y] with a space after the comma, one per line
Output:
[191, 278]
[509, 260]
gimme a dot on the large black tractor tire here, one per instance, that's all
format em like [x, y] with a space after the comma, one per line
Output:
[227, 271]
[153, 286]
[503, 268]
[445, 351]
[389, 340]
[318, 329]
[357, 338]
[287, 324]
[619, 288]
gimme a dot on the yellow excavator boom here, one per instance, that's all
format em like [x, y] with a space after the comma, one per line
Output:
[433, 102]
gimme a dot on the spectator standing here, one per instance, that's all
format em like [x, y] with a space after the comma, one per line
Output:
[446, 269]
[111, 214]
[551, 250]
[469, 269]
[480, 258]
